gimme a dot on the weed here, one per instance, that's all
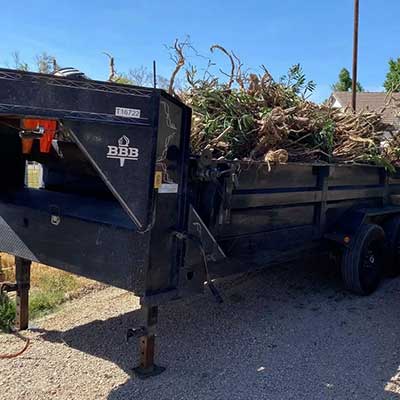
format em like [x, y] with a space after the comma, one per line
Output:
[325, 138]
[7, 313]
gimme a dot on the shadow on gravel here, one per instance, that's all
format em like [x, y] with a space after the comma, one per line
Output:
[290, 332]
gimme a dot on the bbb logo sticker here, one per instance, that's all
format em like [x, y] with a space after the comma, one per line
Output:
[123, 152]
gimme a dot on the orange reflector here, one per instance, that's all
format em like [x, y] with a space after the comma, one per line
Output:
[48, 127]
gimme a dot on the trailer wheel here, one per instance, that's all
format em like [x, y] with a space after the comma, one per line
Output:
[392, 246]
[362, 262]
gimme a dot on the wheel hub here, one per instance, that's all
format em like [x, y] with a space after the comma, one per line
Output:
[369, 259]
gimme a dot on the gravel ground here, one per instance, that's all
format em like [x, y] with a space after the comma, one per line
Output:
[290, 332]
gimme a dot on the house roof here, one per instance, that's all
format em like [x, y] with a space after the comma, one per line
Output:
[373, 101]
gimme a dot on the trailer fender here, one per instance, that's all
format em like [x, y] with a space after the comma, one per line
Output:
[349, 224]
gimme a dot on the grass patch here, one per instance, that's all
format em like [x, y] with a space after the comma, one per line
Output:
[51, 292]
[49, 289]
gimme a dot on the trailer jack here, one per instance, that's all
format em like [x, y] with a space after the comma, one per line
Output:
[146, 336]
[21, 286]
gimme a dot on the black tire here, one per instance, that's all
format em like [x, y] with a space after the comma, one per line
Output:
[362, 262]
[392, 246]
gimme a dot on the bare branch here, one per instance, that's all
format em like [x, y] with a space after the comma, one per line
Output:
[220, 48]
[112, 67]
[239, 75]
[179, 60]
[55, 65]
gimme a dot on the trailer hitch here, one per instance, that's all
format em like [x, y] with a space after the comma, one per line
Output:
[7, 287]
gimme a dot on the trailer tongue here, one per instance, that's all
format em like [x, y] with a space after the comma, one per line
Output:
[123, 203]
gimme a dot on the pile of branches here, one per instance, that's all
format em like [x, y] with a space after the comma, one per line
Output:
[249, 116]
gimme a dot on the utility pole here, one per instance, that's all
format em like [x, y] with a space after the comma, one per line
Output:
[355, 53]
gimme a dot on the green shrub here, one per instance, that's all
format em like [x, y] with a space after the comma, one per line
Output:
[7, 313]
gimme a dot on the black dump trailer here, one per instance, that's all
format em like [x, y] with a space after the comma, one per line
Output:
[123, 202]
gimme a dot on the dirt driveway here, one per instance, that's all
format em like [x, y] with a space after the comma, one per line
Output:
[286, 333]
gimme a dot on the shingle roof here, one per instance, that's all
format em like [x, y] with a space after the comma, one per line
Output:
[374, 101]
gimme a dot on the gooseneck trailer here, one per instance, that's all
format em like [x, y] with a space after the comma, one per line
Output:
[124, 202]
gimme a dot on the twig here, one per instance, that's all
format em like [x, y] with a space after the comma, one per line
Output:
[219, 47]
[112, 67]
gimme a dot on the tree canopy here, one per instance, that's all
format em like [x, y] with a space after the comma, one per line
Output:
[345, 83]
[392, 82]
[140, 76]
[46, 64]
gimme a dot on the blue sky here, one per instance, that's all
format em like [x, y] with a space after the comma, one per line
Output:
[315, 33]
